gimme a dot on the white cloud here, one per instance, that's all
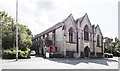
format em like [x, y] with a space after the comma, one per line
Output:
[8, 6]
[39, 15]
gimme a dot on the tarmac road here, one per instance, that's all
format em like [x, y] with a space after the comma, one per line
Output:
[57, 63]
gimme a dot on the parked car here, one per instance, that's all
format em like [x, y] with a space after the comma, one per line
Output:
[32, 53]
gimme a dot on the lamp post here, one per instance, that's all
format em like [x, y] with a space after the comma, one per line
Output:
[16, 30]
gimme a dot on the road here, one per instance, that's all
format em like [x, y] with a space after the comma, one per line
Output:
[52, 63]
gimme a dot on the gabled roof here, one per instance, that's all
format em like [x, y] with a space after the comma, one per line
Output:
[82, 18]
[87, 18]
[49, 30]
[68, 17]
[79, 19]
[58, 25]
[98, 28]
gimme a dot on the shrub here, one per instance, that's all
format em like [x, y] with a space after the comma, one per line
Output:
[117, 53]
[108, 55]
[56, 55]
[8, 54]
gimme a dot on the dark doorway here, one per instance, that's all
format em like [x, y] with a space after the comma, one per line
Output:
[42, 53]
[86, 51]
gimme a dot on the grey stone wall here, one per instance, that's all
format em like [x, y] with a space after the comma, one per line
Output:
[98, 32]
[59, 39]
[85, 43]
[50, 35]
[68, 24]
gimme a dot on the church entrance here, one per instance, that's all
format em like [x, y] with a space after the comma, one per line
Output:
[86, 51]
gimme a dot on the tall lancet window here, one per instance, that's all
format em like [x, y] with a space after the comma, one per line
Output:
[86, 33]
[71, 35]
[98, 40]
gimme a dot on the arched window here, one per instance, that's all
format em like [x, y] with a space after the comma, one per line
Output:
[98, 40]
[71, 35]
[86, 33]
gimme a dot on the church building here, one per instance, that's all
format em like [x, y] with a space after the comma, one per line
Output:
[75, 38]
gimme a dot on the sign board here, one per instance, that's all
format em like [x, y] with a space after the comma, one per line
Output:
[47, 55]
[53, 49]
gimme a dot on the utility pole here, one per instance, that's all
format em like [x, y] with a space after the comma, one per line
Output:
[16, 30]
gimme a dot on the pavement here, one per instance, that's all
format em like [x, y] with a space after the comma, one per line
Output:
[60, 63]
[119, 63]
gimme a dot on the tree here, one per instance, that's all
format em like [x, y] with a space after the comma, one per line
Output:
[117, 49]
[7, 30]
[9, 33]
[108, 44]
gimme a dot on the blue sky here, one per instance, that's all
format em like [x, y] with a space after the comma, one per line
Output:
[39, 15]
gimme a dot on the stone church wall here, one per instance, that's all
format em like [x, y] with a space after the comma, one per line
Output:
[68, 24]
[70, 47]
[50, 35]
[86, 43]
[98, 49]
[59, 39]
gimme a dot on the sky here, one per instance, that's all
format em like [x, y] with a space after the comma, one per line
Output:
[40, 15]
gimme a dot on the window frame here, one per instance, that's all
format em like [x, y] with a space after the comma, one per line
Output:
[98, 41]
[71, 35]
[86, 33]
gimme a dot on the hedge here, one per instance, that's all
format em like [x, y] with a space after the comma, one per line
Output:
[56, 55]
[11, 54]
[117, 53]
[108, 55]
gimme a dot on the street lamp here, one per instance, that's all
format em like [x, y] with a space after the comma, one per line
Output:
[16, 30]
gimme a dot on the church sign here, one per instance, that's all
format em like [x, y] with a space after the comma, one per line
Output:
[53, 49]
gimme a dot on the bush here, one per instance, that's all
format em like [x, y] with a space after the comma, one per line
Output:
[108, 55]
[8, 54]
[56, 55]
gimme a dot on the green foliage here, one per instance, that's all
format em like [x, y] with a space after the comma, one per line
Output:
[108, 44]
[8, 54]
[108, 55]
[9, 35]
[56, 55]
[35, 44]
[112, 47]
[116, 50]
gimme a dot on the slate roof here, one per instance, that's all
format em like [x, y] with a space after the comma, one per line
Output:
[58, 25]
[98, 28]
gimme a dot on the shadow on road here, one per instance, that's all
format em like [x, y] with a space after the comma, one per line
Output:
[87, 61]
